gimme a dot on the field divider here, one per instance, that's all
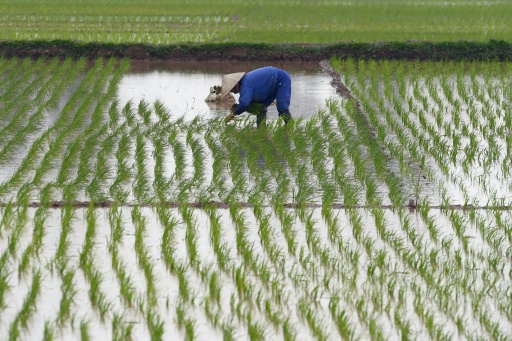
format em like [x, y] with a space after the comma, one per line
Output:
[226, 205]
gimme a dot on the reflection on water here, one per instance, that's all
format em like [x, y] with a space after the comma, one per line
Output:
[183, 86]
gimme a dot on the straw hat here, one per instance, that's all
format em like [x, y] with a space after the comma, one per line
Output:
[229, 81]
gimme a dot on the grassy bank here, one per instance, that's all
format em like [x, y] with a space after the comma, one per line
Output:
[161, 22]
[461, 50]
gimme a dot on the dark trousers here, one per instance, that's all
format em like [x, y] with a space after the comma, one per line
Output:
[260, 111]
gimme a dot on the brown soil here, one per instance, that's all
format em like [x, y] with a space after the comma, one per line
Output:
[336, 82]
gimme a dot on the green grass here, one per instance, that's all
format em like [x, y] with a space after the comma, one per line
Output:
[288, 21]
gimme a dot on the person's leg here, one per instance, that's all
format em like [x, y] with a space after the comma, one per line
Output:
[261, 117]
[284, 93]
[260, 111]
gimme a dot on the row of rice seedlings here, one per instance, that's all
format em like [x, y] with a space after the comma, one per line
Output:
[161, 185]
[72, 118]
[21, 86]
[143, 256]
[464, 284]
[32, 250]
[199, 158]
[97, 297]
[98, 127]
[119, 190]
[413, 259]
[8, 222]
[34, 153]
[256, 163]
[10, 70]
[97, 188]
[141, 185]
[359, 169]
[15, 220]
[29, 99]
[283, 171]
[409, 144]
[472, 128]
[50, 91]
[309, 23]
[240, 176]
[220, 175]
[127, 290]
[411, 172]
[325, 269]
[28, 306]
[154, 322]
[92, 137]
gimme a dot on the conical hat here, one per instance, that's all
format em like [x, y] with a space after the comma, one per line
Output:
[229, 81]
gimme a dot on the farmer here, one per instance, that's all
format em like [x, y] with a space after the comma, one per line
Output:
[258, 89]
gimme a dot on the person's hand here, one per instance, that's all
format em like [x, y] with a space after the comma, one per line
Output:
[228, 118]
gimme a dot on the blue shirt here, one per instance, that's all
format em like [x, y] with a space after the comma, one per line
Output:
[258, 86]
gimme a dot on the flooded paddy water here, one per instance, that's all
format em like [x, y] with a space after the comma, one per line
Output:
[183, 86]
[129, 210]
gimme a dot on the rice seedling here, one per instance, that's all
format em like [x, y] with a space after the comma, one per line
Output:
[84, 331]
[155, 326]
[36, 242]
[68, 294]
[143, 255]
[141, 185]
[27, 308]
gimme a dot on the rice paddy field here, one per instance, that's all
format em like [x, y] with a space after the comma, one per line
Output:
[383, 215]
[268, 21]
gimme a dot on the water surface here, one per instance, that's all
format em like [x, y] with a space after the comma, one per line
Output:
[183, 86]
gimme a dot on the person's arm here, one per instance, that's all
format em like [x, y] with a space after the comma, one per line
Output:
[244, 100]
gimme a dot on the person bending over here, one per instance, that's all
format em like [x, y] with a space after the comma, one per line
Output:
[258, 89]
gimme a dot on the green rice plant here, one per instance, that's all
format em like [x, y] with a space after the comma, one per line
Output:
[48, 332]
[220, 249]
[220, 162]
[179, 153]
[27, 308]
[67, 216]
[36, 242]
[22, 109]
[4, 283]
[255, 330]
[184, 288]
[121, 330]
[19, 227]
[143, 254]
[190, 234]
[341, 320]
[84, 331]
[94, 132]
[141, 185]
[155, 325]
[197, 159]
[161, 186]
[167, 247]
[190, 332]
[15, 92]
[127, 289]
[124, 171]
[67, 299]
[161, 111]
[307, 312]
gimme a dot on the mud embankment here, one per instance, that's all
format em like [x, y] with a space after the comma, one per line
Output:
[492, 50]
[226, 205]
